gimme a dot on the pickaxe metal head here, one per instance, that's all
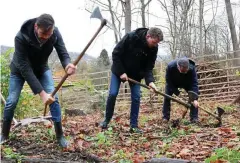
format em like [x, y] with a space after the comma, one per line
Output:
[96, 14]
[220, 112]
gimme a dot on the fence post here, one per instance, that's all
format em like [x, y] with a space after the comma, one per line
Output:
[227, 74]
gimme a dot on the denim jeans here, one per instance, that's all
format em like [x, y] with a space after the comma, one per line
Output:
[135, 100]
[15, 86]
[167, 104]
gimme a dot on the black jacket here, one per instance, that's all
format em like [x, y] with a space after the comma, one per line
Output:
[133, 56]
[175, 79]
[30, 58]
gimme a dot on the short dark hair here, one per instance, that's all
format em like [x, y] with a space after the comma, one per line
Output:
[45, 22]
[155, 33]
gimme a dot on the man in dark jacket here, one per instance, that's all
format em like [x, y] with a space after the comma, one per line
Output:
[181, 73]
[134, 56]
[33, 45]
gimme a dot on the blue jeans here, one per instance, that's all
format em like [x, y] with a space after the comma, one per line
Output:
[15, 86]
[167, 104]
[135, 100]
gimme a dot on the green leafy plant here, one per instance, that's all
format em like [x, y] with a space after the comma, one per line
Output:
[230, 155]
[104, 138]
[228, 108]
[102, 100]
[125, 161]
[120, 155]
[174, 133]
[5, 71]
[143, 120]
[238, 73]
[9, 153]
[27, 102]
[101, 138]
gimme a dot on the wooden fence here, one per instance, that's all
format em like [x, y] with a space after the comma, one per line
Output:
[217, 76]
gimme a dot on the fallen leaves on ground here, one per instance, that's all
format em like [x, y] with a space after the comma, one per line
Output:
[187, 141]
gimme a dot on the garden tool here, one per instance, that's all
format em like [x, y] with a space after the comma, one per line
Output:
[192, 96]
[95, 14]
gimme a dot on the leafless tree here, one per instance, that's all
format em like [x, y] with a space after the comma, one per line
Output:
[233, 32]
[200, 26]
[178, 19]
[143, 8]
[113, 10]
[128, 15]
[54, 62]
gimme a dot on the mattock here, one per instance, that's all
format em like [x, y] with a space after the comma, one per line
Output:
[95, 14]
[192, 95]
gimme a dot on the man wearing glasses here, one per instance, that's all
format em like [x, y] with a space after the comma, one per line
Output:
[181, 73]
[134, 57]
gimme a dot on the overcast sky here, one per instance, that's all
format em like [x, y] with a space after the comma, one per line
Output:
[71, 18]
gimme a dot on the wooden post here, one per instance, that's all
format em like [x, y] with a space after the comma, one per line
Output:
[227, 73]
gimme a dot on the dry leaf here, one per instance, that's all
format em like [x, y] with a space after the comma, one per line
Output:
[184, 152]
[147, 145]
[225, 129]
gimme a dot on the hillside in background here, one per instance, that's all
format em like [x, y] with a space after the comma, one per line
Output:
[73, 55]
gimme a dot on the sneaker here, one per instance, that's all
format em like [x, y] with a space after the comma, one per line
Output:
[104, 124]
[135, 130]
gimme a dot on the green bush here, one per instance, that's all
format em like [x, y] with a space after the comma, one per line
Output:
[5, 71]
[27, 102]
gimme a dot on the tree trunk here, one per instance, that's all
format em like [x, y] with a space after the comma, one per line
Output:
[233, 32]
[113, 20]
[143, 14]
[200, 26]
[128, 15]
[143, 8]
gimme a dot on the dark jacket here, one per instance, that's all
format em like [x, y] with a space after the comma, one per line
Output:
[30, 58]
[133, 56]
[175, 79]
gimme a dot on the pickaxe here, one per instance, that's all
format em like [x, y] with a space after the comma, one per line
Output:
[192, 95]
[95, 14]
